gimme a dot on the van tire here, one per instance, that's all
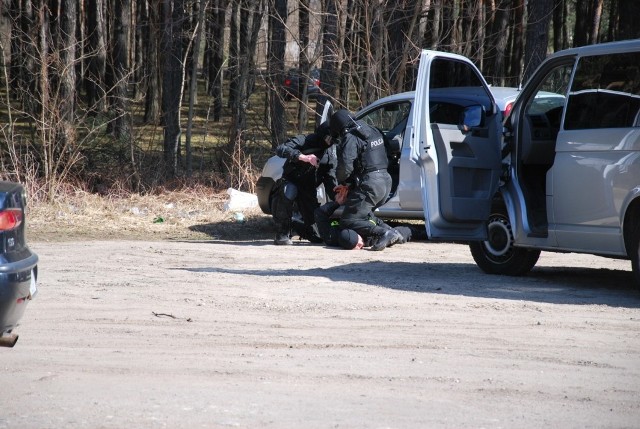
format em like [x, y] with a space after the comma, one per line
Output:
[497, 255]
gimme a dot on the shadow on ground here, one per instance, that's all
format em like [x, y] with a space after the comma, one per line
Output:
[262, 227]
[254, 228]
[558, 285]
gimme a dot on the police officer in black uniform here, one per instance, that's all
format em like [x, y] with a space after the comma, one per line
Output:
[362, 169]
[310, 161]
[331, 232]
[334, 235]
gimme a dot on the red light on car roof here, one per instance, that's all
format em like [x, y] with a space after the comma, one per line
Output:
[10, 219]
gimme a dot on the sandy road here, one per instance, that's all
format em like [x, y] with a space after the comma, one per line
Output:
[217, 334]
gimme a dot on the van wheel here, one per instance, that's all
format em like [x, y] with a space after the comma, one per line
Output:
[497, 255]
[634, 254]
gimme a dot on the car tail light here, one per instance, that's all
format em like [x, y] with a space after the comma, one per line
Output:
[287, 82]
[10, 219]
[507, 109]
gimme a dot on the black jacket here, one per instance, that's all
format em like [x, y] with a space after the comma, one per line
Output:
[361, 150]
[304, 174]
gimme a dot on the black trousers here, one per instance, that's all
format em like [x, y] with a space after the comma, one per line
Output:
[282, 203]
[361, 201]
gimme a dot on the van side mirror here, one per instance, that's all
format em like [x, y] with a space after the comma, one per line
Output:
[472, 116]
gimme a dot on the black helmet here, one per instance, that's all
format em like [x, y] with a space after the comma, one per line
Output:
[348, 239]
[340, 120]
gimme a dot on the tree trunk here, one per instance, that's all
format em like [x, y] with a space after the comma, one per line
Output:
[581, 29]
[328, 78]
[401, 20]
[373, 51]
[515, 68]
[537, 35]
[433, 25]
[275, 70]
[496, 43]
[97, 56]
[350, 47]
[65, 74]
[304, 63]
[629, 13]
[216, 55]
[595, 21]
[24, 72]
[251, 12]
[121, 124]
[193, 87]
[233, 60]
[151, 64]
[171, 82]
[447, 39]
[558, 25]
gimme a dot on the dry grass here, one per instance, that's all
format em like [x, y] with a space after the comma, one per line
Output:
[191, 214]
[101, 205]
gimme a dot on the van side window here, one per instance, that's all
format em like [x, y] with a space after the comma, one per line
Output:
[605, 93]
[549, 100]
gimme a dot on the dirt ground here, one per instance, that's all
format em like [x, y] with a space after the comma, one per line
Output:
[216, 332]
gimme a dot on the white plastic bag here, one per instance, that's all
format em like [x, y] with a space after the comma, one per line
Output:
[239, 200]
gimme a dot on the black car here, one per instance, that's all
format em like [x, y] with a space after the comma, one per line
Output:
[294, 82]
[18, 264]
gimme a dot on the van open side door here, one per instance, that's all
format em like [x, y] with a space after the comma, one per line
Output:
[457, 147]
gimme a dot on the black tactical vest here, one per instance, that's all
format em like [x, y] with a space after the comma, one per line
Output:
[373, 152]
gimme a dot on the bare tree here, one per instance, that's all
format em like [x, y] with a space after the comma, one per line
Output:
[560, 33]
[214, 54]
[628, 13]
[402, 19]
[275, 69]
[94, 82]
[151, 65]
[304, 61]
[119, 101]
[539, 16]
[251, 14]
[330, 54]
[173, 14]
[193, 86]
[66, 72]
[581, 29]
[496, 42]
[517, 41]
[234, 52]
[351, 57]
[596, 16]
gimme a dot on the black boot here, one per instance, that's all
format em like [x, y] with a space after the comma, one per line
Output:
[389, 238]
[282, 240]
[311, 235]
[283, 233]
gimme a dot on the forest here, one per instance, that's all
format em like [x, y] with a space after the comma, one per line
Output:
[142, 93]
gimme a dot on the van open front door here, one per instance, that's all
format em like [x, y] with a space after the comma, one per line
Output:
[456, 147]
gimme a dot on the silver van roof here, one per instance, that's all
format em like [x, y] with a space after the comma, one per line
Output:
[630, 45]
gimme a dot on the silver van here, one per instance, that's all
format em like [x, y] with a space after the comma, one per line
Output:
[561, 173]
